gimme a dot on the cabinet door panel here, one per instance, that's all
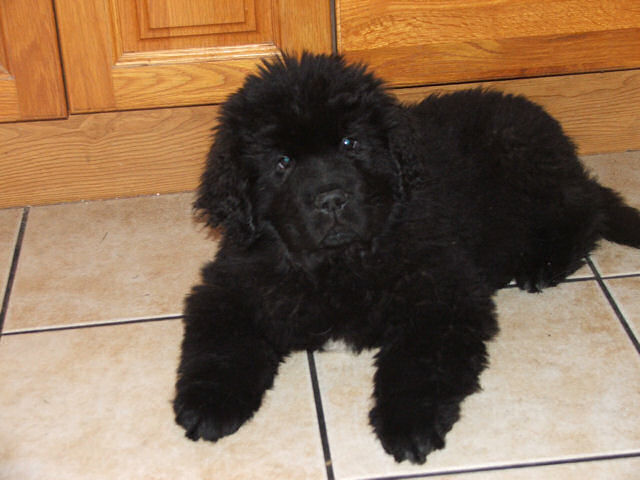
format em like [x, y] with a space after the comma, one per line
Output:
[438, 41]
[129, 54]
[31, 84]
[146, 25]
[188, 13]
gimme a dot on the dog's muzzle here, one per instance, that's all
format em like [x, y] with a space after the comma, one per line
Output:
[332, 203]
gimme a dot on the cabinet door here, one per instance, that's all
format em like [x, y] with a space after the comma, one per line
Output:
[128, 54]
[423, 42]
[31, 84]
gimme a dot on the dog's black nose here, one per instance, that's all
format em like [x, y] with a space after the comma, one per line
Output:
[331, 201]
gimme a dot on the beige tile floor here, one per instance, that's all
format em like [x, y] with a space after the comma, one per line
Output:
[91, 339]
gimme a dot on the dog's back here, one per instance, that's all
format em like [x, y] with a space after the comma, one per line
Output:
[525, 206]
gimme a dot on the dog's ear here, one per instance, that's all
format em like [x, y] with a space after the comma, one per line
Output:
[223, 195]
[401, 144]
[405, 147]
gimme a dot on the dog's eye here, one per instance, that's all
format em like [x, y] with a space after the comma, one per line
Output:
[284, 162]
[349, 143]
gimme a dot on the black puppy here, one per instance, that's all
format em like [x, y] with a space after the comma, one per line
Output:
[348, 216]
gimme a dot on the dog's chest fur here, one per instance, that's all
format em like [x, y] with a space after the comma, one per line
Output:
[341, 300]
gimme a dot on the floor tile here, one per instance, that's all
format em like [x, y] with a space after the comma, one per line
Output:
[620, 171]
[613, 259]
[563, 383]
[9, 226]
[618, 469]
[95, 403]
[581, 273]
[107, 261]
[626, 293]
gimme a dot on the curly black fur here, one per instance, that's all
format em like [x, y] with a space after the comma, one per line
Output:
[348, 216]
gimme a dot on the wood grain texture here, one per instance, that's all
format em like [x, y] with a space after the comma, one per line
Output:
[305, 25]
[31, 84]
[135, 32]
[104, 155]
[188, 13]
[9, 104]
[160, 151]
[175, 18]
[179, 83]
[3, 48]
[88, 54]
[423, 43]
[511, 58]
[367, 24]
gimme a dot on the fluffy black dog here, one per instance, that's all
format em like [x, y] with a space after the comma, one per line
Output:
[348, 216]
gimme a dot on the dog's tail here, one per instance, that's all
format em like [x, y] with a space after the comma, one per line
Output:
[622, 222]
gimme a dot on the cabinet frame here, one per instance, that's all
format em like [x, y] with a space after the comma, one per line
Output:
[31, 84]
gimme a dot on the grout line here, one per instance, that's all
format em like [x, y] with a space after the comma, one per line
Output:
[578, 279]
[566, 280]
[616, 276]
[613, 276]
[334, 27]
[514, 466]
[320, 413]
[92, 325]
[14, 267]
[63, 67]
[614, 306]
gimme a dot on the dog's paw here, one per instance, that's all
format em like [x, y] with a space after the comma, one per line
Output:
[546, 274]
[412, 432]
[535, 282]
[207, 413]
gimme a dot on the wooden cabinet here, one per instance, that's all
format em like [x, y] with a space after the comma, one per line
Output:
[419, 42]
[136, 54]
[31, 84]
[132, 54]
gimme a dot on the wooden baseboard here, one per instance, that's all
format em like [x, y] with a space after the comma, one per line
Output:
[104, 155]
[121, 154]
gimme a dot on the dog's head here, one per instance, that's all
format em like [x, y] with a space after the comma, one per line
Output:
[303, 149]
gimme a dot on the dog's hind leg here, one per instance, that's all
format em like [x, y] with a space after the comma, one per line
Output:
[558, 248]
[548, 266]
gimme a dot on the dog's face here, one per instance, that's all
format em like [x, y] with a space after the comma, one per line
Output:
[303, 148]
[325, 195]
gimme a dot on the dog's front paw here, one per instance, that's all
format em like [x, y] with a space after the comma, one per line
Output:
[205, 412]
[409, 431]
